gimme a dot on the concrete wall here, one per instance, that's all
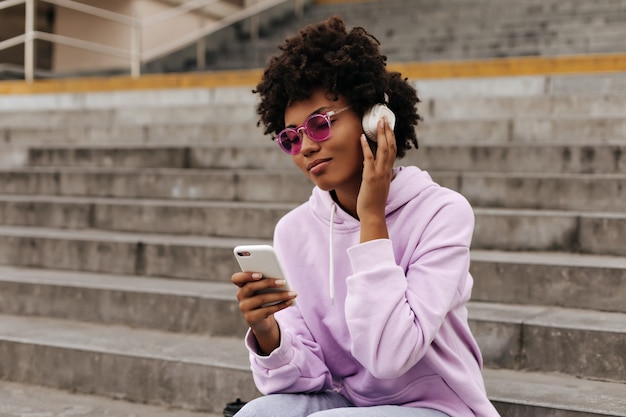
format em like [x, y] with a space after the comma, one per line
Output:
[95, 29]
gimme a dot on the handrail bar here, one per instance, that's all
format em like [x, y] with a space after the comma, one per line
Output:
[9, 43]
[134, 53]
[176, 11]
[94, 11]
[78, 43]
[191, 37]
[19, 69]
[10, 3]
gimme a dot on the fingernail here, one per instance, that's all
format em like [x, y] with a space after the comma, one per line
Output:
[279, 283]
[292, 294]
[257, 275]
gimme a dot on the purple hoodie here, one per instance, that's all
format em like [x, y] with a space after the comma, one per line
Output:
[383, 322]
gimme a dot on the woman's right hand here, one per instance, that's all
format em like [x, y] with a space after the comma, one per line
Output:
[256, 311]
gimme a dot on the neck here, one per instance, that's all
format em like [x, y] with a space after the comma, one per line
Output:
[346, 202]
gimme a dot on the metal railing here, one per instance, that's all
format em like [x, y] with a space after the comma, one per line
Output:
[134, 53]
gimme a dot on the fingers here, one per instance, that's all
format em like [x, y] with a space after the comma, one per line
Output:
[242, 278]
[253, 283]
[387, 148]
[261, 307]
[260, 297]
[368, 155]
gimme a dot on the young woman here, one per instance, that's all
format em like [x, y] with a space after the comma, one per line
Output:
[378, 258]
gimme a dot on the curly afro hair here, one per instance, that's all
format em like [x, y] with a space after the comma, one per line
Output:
[348, 64]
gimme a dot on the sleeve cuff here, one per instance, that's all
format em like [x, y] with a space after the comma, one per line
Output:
[368, 255]
[280, 356]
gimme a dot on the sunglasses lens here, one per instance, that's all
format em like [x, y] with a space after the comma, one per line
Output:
[289, 141]
[318, 127]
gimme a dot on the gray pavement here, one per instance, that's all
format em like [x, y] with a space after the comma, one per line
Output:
[18, 400]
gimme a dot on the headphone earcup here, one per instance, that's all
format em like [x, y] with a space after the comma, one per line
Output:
[371, 118]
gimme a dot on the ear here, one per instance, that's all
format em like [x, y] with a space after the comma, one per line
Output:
[371, 118]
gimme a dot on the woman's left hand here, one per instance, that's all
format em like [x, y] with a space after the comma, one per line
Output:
[377, 176]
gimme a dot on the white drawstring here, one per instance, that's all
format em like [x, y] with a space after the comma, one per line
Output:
[331, 266]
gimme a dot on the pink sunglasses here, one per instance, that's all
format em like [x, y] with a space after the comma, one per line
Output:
[316, 127]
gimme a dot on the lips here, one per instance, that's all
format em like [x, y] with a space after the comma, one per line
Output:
[315, 163]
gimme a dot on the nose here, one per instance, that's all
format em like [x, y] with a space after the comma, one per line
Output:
[309, 146]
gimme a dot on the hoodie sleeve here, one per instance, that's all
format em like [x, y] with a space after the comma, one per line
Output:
[297, 365]
[393, 316]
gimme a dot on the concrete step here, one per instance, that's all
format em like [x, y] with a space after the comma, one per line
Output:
[527, 158]
[479, 26]
[146, 114]
[513, 393]
[546, 230]
[531, 158]
[202, 373]
[193, 307]
[463, 108]
[496, 228]
[539, 191]
[592, 85]
[22, 400]
[172, 305]
[569, 280]
[220, 185]
[192, 372]
[554, 131]
[583, 343]
[482, 31]
[457, 21]
[169, 133]
[126, 100]
[528, 394]
[140, 115]
[142, 254]
[257, 156]
[199, 218]
[552, 279]
[476, 9]
[597, 130]
[580, 192]
[508, 41]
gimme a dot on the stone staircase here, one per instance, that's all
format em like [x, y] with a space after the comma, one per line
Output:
[119, 212]
[430, 30]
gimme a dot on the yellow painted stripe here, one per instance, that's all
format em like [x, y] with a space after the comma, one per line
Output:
[145, 82]
[503, 67]
[342, 1]
[579, 64]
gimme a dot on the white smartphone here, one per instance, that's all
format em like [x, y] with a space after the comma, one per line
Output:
[263, 259]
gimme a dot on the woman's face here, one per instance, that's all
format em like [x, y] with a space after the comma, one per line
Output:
[336, 163]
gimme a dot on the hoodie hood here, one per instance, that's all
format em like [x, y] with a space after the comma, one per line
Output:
[407, 183]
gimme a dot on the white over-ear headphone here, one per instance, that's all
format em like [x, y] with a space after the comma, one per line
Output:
[373, 115]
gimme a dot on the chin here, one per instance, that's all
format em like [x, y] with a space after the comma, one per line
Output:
[324, 186]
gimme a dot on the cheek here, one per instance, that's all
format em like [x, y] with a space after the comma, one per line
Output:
[299, 161]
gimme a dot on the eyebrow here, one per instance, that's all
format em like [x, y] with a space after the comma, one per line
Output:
[324, 109]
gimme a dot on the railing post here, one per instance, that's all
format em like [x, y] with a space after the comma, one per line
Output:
[135, 46]
[29, 42]
[201, 49]
[253, 21]
[298, 8]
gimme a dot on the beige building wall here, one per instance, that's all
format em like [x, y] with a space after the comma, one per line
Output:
[95, 29]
